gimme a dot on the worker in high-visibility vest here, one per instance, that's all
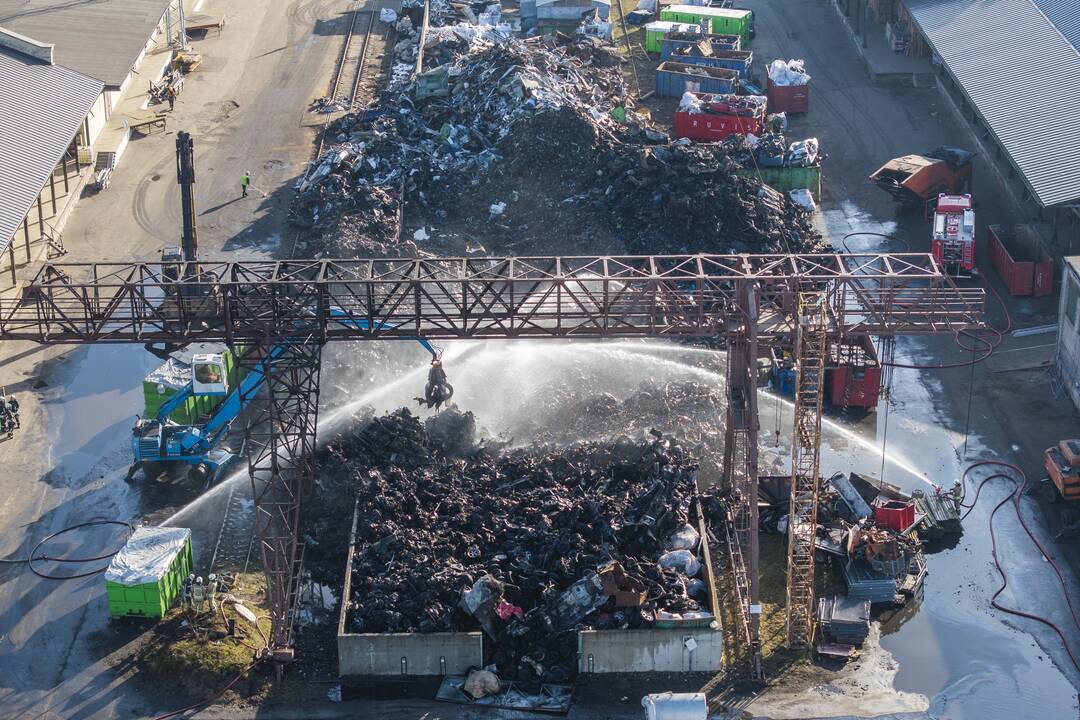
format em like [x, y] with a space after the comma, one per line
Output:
[198, 595]
[185, 592]
[211, 591]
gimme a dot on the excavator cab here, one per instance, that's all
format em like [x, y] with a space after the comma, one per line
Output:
[208, 376]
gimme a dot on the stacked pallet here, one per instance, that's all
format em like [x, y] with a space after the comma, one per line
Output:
[866, 583]
[844, 619]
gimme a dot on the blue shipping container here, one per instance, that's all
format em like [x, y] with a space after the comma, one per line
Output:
[675, 78]
[672, 41]
[738, 60]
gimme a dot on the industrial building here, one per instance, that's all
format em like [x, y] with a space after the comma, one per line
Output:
[70, 65]
[1007, 64]
[1067, 355]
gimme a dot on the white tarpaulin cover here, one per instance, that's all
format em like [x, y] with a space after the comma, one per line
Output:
[147, 555]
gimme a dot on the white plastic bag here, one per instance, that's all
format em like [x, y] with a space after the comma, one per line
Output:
[803, 198]
[788, 72]
[685, 538]
[689, 103]
[387, 15]
[682, 560]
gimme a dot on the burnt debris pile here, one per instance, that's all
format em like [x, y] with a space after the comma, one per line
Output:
[527, 545]
[532, 146]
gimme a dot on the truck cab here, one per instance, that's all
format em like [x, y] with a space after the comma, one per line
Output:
[953, 243]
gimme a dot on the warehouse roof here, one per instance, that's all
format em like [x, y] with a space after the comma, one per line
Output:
[41, 109]
[1019, 70]
[1065, 15]
[101, 39]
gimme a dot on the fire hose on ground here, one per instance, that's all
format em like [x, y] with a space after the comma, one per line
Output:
[33, 556]
[1019, 487]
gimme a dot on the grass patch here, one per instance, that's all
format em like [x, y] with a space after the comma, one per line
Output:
[195, 653]
[773, 624]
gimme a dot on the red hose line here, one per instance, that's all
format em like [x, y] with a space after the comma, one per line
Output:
[210, 699]
[1014, 496]
[990, 344]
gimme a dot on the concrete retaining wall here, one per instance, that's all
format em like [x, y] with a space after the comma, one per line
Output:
[409, 654]
[650, 650]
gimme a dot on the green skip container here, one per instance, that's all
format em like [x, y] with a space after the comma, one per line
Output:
[168, 379]
[788, 178]
[722, 21]
[144, 578]
[656, 31]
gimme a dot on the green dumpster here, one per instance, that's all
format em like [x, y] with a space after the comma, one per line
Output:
[788, 178]
[721, 21]
[655, 32]
[145, 577]
[173, 376]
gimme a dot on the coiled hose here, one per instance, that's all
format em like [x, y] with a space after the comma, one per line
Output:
[33, 557]
[1010, 473]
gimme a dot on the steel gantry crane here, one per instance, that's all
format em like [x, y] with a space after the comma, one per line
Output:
[300, 305]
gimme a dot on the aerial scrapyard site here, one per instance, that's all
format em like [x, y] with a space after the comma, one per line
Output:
[427, 359]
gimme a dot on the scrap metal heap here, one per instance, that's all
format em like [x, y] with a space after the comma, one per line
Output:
[529, 545]
[529, 146]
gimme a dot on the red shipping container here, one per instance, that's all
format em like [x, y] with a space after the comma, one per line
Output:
[709, 127]
[893, 514]
[1020, 260]
[854, 386]
[852, 374]
[787, 98]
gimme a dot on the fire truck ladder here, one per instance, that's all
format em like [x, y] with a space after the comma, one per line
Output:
[300, 305]
[811, 344]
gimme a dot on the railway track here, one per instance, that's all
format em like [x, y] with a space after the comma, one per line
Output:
[236, 538]
[351, 65]
[348, 75]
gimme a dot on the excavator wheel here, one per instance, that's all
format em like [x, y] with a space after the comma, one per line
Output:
[200, 474]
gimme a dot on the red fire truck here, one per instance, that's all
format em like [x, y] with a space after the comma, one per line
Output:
[953, 243]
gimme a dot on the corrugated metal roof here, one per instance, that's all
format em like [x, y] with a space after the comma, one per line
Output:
[1021, 75]
[101, 39]
[41, 108]
[1065, 14]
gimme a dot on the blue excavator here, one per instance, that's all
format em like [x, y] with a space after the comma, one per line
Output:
[160, 441]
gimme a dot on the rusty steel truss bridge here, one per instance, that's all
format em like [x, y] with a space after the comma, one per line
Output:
[300, 305]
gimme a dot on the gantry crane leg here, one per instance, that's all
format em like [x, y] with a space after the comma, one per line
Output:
[811, 341]
[280, 445]
[740, 468]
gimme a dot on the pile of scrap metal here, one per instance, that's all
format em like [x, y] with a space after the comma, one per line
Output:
[523, 144]
[529, 545]
[881, 565]
[932, 515]
[870, 529]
